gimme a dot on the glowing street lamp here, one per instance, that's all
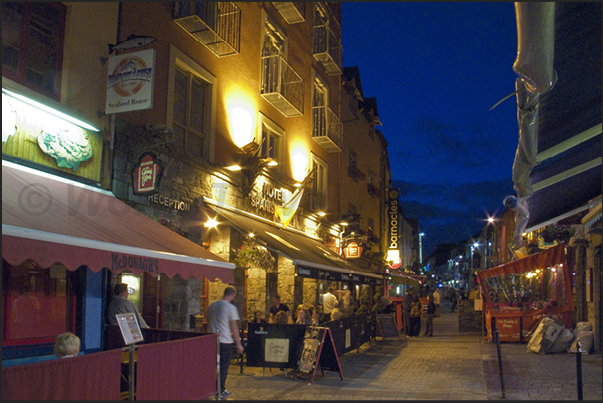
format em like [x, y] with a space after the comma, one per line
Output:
[421, 235]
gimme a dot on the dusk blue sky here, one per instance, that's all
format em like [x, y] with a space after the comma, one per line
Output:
[436, 69]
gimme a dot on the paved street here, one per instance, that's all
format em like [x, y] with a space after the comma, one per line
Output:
[448, 366]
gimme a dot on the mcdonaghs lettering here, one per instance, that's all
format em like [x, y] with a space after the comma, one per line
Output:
[122, 261]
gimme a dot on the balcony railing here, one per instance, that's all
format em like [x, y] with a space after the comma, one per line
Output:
[327, 49]
[217, 25]
[282, 86]
[327, 129]
[292, 11]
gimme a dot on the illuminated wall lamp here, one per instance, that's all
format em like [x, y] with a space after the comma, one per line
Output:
[234, 168]
[211, 223]
[321, 213]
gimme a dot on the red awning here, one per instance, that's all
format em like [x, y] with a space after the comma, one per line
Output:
[543, 276]
[549, 257]
[51, 220]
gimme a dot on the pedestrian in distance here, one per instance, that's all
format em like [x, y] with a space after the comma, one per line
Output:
[429, 315]
[436, 301]
[222, 318]
[415, 316]
[406, 310]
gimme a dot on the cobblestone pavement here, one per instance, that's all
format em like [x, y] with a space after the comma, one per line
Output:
[448, 366]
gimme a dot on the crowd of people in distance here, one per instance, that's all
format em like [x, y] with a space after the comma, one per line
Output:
[309, 315]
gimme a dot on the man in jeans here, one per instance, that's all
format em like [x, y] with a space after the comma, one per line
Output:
[222, 318]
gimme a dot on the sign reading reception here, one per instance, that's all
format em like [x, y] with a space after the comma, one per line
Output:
[130, 82]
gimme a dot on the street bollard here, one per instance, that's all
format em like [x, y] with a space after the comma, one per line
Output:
[500, 363]
[579, 370]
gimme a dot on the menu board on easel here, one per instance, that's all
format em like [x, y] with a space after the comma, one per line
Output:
[318, 350]
[130, 330]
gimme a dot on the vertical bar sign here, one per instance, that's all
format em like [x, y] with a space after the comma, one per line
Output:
[393, 222]
[130, 82]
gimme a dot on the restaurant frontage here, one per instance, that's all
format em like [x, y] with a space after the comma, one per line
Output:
[304, 269]
[518, 294]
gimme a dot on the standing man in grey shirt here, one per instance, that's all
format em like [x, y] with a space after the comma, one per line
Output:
[222, 318]
[120, 304]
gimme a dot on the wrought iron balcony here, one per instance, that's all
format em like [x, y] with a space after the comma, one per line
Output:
[282, 86]
[327, 129]
[217, 25]
[292, 11]
[327, 49]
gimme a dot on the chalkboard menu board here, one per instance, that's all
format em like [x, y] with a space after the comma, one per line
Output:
[387, 325]
[470, 320]
[318, 350]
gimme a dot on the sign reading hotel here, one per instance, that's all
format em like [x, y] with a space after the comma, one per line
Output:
[130, 82]
[393, 223]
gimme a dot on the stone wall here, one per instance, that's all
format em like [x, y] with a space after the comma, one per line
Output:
[256, 292]
[182, 299]
[286, 281]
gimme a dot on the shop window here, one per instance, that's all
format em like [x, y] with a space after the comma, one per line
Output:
[192, 91]
[36, 303]
[32, 44]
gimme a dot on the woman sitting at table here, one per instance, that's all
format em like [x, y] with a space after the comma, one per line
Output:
[283, 318]
[303, 318]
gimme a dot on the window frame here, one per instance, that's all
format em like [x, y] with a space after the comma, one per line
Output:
[279, 133]
[179, 60]
[24, 44]
[321, 167]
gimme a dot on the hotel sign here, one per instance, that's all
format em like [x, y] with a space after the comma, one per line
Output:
[147, 174]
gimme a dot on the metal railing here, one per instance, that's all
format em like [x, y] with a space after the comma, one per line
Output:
[292, 11]
[327, 129]
[282, 86]
[217, 25]
[327, 49]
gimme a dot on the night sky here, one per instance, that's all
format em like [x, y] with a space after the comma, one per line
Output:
[436, 69]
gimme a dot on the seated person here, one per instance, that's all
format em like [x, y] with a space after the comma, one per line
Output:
[67, 345]
[257, 318]
[303, 318]
[283, 318]
[315, 318]
[336, 314]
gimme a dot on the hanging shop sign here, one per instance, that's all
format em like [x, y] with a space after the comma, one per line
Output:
[352, 251]
[146, 174]
[130, 82]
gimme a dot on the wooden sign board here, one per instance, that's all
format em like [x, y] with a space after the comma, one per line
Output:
[387, 325]
[318, 350]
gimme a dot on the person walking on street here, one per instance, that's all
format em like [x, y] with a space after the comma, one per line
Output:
[415, 316]
[222, 318]
[454, 295]
[329, 302]
[406, 311]
[436, 301]
[430, 314]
